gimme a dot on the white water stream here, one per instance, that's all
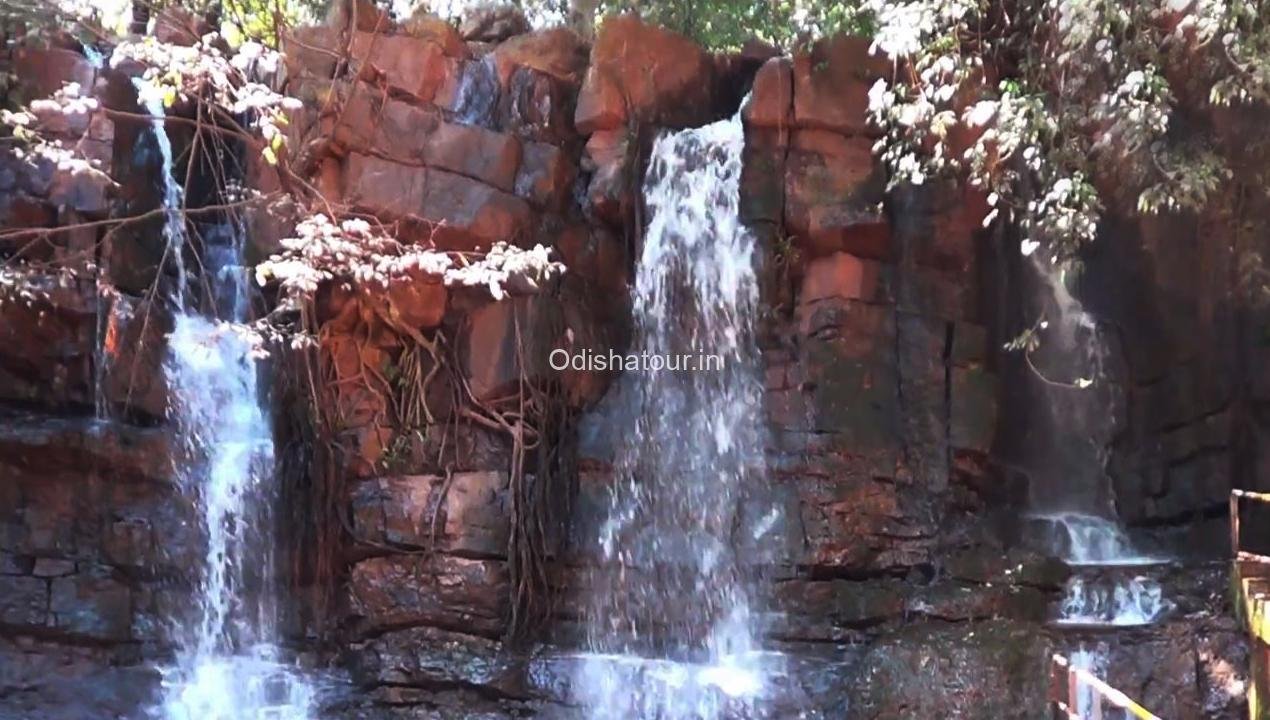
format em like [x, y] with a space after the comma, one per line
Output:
[672, 626]
[228, 665]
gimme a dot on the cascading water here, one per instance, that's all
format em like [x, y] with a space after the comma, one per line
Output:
[672, 628]
[1109, 586]
[228, 665]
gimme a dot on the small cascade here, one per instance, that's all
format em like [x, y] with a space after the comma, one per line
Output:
[174, 234]
[1111, 584]
[672, 624]
[229, 665]
[1088, 540]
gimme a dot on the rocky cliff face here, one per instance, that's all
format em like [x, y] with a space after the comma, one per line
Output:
[898, 426]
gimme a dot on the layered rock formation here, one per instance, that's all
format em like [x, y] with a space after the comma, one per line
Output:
[896, 425]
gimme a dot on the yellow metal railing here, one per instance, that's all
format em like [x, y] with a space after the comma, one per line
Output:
[1066, 682]
[1235, 497]
[1251, 575]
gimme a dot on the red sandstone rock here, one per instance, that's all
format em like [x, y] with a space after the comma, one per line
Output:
[467, 214]
[546, 176]
[833, 191]
[610, 196]
[831, 84]
[416, 302]
[177, 26]
[473, 516]
[493, 361]
[478, 153]
[367, 121]
[132, 354]
[434, 590]
[772, 97]
[46, 70]
[762, 191]
[312, 49]
[412, 65]
[493, 23]
[840, 275]
[663, 77]
[364, 15]
[537, 106]
[557, 52]
[426, 26]
[601, 105]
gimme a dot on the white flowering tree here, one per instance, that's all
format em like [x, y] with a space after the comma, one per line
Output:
[1060, 108]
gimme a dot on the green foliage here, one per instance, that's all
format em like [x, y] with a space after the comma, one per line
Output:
[1083, 115]
[727, 24]
[259, 20]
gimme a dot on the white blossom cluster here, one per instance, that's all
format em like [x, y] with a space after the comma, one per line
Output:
[1086, 96]
[179, 72]
[353, 250]
[1236, 30]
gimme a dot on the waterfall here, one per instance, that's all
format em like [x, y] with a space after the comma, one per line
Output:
[228, 664]
[672, 624]
[174, 234]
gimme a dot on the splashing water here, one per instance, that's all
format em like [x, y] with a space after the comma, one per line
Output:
[228, 664]
[1072, 471]
[1106, 589]
[228, 668]
[1130, 601]
[670, 624]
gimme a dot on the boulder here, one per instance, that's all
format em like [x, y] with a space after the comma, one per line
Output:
[663, 77]
[471, 94]
[427, 26]
[492, 359]
[311, 50]
[464, 214]
[46, 70]
[363, 15]
[471, 518]
[546, 176]
[429, 590]
[601, 105]
[833, 195]
[480, 154]
[493, 23]
[831, 84]
[414, 66]
[557, 52]
[611, 192]
[771, 102]
[537, 106]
